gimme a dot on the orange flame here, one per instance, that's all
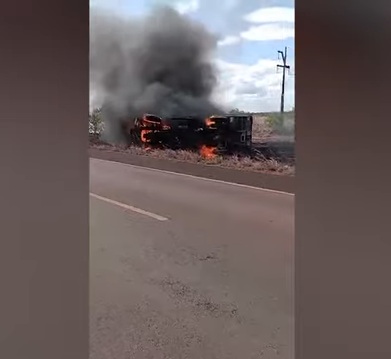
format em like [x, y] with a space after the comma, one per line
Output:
[210, 122]
[144, 139]
[208, 152]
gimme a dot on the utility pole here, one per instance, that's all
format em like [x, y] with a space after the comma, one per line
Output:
[284, 67]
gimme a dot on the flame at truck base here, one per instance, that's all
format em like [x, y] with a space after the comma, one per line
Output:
[208, 152]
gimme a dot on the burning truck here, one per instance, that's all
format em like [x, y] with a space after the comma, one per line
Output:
[211, 135]
[176, 86]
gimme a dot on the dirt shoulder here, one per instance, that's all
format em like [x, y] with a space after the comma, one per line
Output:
[267, 174]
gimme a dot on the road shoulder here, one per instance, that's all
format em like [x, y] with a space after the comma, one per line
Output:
[248, 178]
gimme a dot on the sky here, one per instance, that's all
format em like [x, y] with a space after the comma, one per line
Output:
[250, 32]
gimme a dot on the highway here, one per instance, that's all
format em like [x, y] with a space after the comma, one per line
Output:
[183, 267]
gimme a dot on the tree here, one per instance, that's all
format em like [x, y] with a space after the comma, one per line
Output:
[236, 111]
[95, 121]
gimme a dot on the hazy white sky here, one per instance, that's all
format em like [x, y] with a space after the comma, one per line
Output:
[251, 32]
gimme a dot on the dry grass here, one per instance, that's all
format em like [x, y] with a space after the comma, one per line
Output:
[235, 162]
[266, 126]
[261, 129]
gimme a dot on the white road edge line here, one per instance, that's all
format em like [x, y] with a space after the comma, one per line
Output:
[200, 178]
[130, 208]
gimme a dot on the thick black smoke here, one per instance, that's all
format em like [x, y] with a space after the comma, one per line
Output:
[161, 64]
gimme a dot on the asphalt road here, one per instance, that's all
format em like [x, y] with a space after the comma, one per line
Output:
[183, 267]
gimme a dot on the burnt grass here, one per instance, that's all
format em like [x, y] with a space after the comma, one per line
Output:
[266, 159]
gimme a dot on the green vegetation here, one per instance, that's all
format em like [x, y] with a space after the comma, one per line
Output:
[95, 122]
[236, 111]
[273, 123]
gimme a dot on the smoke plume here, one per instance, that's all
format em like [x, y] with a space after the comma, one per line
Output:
[160, 64]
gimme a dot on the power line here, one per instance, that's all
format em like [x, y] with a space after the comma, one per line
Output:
[284, 67]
